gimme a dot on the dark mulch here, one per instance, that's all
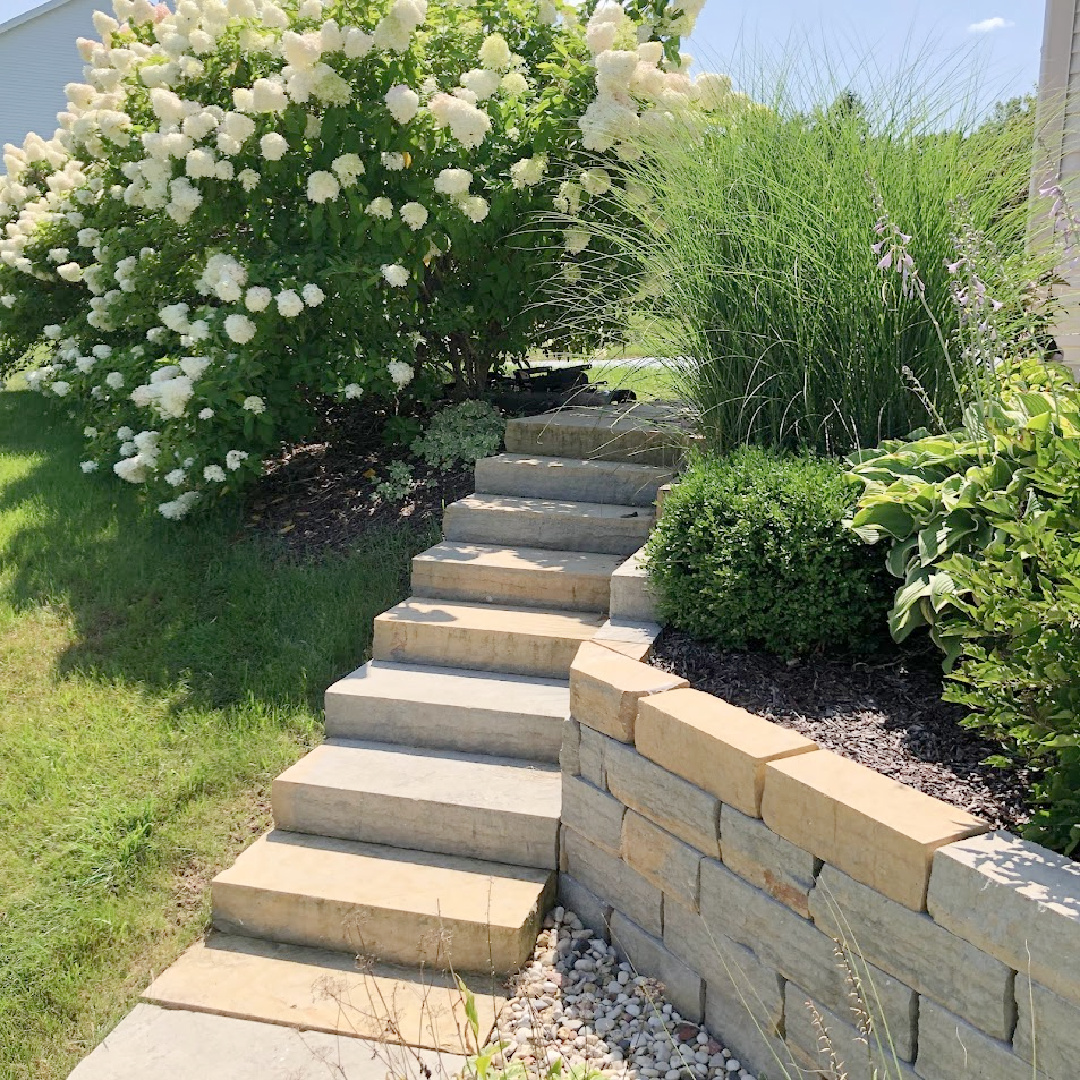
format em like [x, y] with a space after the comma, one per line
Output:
[320, 495]
[886, 715]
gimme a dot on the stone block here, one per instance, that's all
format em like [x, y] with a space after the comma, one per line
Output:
[592, 813]
[691, 814]
[716, 746]
[585, 904]
[911, 946]
[620, 885]
[755, 852]
[683, 986]
[879, 831]
[631, 595]
[814, 1034]
[605, 688]
[591, 757]
[951, 1049]
[1016, 901]
[568, 752]
[1047, 1030]
[799, 951]
[668, 863]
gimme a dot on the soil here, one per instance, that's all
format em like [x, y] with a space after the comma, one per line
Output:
[886, 715]
[319, 495]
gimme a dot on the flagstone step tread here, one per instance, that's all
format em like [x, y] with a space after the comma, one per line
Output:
[559, 524]
[522, 640]
[642, 435]
[394, 905]
[574, 580]
[152, 1043]
[571, 478]
[501, 809]
[320, 990]
[450, 709]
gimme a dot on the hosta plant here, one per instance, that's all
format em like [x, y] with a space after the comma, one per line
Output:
[249, 203]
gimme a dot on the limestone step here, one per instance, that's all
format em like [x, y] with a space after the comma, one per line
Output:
[571, 478]
[394, 905]
[321, 990]
[554, 524]
[570, 580]
[501, 809]
[525, 641]
[644, 435]
[450, 709]
[631, 595]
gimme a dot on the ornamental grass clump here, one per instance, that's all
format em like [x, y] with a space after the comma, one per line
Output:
[249, 204]
[757, 244]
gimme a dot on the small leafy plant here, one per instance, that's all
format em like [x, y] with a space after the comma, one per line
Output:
[752, 551]
[459, 434]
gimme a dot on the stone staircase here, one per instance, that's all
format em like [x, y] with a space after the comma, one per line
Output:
[424, 833]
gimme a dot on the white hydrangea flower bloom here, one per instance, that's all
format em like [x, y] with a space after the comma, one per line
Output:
[322, 187]
[453, 182]
[249, 179]
[348, 168]
[273, 146]
[214, 474]
[402, 102]
[206, 414]
[475, 208]
[393, 162]
[353, 391]
[414, 215]
[575, 240]
[239, 328]
[257, 298]
[88, 466]
[401, 374]
[313, 296]
[395, 274]
[381, 207]
[289, 303]
[234, 459]
[495, 53]
[254, 404]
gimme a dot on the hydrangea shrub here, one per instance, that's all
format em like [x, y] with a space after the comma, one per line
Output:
[248, 203]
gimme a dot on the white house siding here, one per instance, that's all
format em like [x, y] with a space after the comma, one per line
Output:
[38, 59]
[1058, 156]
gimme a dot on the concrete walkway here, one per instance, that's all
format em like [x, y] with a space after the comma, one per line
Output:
[423, 835]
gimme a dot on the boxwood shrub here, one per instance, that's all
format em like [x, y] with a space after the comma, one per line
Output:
[751, 551]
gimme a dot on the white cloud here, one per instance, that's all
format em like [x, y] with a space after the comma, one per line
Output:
[988, 26]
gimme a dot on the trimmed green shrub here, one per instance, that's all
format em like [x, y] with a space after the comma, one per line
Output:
[752, 551]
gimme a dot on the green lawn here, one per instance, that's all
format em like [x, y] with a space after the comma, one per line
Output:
[153, 678]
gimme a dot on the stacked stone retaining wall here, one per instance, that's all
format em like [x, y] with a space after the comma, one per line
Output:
[727, 856]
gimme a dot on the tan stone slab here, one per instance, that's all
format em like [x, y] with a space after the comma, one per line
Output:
[527, 641]
[667, 862]
[318, 990]
[394, 905]
[718, 747]
[877, 830]
[486, 573]
[605, 688]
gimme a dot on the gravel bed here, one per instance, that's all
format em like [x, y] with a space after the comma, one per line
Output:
[887, 715]
[576, 1001]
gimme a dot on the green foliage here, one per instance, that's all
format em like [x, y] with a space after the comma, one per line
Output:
[983, 526]
[460, 434]
[751, 550]
[751, 243]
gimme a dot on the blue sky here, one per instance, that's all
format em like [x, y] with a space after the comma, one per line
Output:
[1006, 47]
[1001, 39]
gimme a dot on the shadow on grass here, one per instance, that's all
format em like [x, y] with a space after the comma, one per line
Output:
[191, 605]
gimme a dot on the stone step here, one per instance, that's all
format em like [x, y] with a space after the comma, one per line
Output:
[321, 990]
[500, 809]
[448, 709]
[631, 595]
[554, 524]
[569, 580]
[643, 435]
[394, 905]
[525, 641]
[571, 478]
